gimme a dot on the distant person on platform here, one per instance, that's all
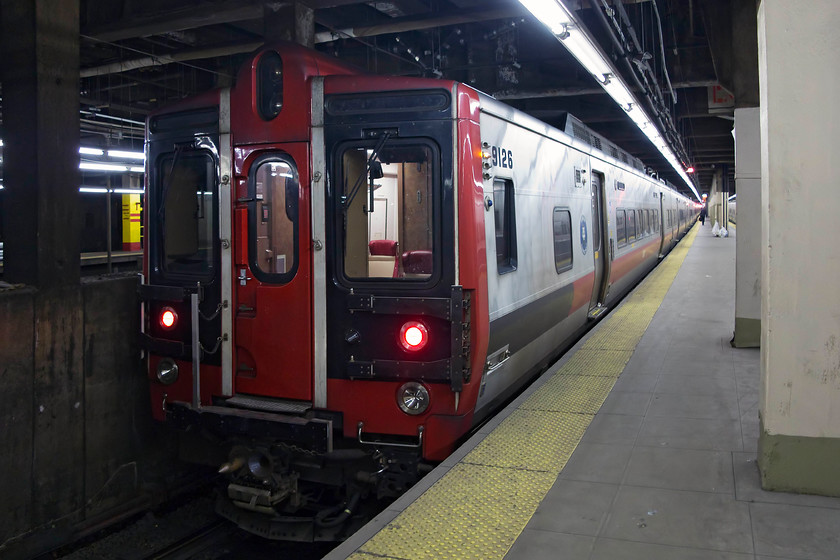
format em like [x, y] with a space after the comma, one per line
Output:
[703, 215]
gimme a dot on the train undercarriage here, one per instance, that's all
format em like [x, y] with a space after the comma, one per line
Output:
[299, 491]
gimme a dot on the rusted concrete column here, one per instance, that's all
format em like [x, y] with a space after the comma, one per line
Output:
[40, 75]
[289, 22]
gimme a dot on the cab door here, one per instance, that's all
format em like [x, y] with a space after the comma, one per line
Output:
[272, 275]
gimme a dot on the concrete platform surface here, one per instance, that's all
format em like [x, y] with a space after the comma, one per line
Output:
[665, 468]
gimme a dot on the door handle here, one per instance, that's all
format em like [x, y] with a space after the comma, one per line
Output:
[243, 277]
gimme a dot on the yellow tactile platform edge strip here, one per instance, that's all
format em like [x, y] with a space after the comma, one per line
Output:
[478, 509]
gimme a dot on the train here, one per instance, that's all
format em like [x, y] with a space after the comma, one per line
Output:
[346, 273]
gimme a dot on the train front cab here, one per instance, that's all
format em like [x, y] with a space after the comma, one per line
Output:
[302, 261]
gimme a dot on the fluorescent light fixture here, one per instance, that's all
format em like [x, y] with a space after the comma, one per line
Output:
[589, 55]
[559, 19]
[91, 151]
[620, 94]
[92, 166]
[137, 169]
[553, 14]
[128, 191]
[93, 190]
[126, 155]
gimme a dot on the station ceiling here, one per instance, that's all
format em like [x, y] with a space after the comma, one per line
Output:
[139, 55]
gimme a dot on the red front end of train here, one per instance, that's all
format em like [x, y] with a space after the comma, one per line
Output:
[314, 284]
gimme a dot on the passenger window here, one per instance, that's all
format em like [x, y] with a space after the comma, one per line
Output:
[505, 218]
[562, 240]
[273, 219]
[631, 226]
[640, 223]
[620, 228]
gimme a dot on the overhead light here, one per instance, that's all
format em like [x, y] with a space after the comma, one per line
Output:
[137, 169]
[91, 151]
[559, 19]
[689, 170]
[587, 53]
[128, 191]
[126, 155]
[553, 14]
[93, 166]
[100, 190]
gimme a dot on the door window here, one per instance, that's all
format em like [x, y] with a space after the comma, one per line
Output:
[562, 240]
[273, 217]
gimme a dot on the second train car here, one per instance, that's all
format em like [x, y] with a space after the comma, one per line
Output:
[345, 273]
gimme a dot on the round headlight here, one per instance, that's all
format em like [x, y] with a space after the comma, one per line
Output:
[167, 371]
[413, 398]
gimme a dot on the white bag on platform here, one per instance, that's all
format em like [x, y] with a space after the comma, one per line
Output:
[716, 229]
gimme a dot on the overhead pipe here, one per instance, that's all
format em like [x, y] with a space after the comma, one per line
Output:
[668, 128]
[149, 61]
[400, 25]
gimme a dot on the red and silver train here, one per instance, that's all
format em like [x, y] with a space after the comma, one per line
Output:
[345, 273]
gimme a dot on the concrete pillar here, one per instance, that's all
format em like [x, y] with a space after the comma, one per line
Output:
[748, 240]
[40, 76]
[289, 22]
[716, 199]
[799, 52]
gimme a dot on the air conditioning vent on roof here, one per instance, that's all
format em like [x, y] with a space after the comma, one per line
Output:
[582, 133]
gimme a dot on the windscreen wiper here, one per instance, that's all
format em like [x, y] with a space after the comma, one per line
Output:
[168, 182]
[347, 200]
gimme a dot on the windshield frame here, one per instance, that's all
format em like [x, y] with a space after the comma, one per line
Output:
[164, 163]
[339, 208]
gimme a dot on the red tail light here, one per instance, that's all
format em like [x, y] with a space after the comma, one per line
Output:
[414, 336]
[168, 318]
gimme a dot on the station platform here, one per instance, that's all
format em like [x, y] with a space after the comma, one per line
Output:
[640, 443]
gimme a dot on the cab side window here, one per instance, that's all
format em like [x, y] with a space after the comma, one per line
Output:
[505, 221]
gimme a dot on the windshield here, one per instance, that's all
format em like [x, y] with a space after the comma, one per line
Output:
[387, 208]
[188, 211]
